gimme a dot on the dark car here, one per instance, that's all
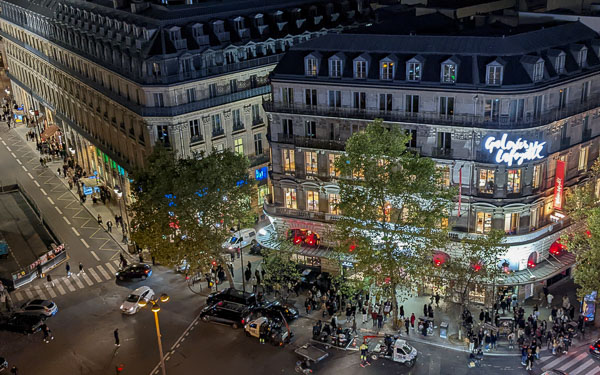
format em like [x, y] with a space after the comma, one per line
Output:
[256, 249]
[3, 364]
[226, 312]
[21, 323]
[595, 349]
[232, 295]
[134, 271]
[308, 277]
[274, 311]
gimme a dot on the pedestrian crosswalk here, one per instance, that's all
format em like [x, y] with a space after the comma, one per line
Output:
[576, 362]
[64, 285]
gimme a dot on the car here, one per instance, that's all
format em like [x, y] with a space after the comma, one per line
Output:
[256, 249]
[232, 295]
[134, 271]
[308, 277]
[290, 312]
[240, 239]
[39, 307]
[131, 304]
[21, 323]
[225, 312]
[3, 364]
[595, 349]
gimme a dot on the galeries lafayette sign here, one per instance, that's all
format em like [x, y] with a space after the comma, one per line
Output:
[510, 152]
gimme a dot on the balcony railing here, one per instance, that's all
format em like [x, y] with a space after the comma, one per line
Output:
[274, 209]
[196, 139]
[258, 160]
[218, 132]
[434, 118]
[238, 126]
[309, 142]
[440, 152]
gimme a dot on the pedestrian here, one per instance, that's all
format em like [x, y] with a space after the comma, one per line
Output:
[364, 351]
[406, 325]
[257, 276]
[68, 268]
[481, 316]
[430, 311]
[116, 333]
[365, 316]
[247, 274]
[81, 271]
[41, 162]
[425, 310]
[249, 266]
[437, 299]
[379, 321]
[412, 320]
[49, 280]
[99, 219]
[354, 330]
[109, 226]
[141, 257]
[549, 299]
[14, 370]
[402, 311]
[333, 323]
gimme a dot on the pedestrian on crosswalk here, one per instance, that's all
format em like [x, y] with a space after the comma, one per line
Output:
[49, 280]
[68, 268]
[81, 271]
[116, 333]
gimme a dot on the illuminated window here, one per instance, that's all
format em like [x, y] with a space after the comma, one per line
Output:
[538, 71]
[311, 67]
[537, 176]
[289, 165]
[484, 222]
[486, 181]
[332, 171]
[334, 201]
[290, 198]
[448, 73]
[494, 75]
[444, 222]
[414, 71]
[445, 174]
[263, 192]
[511, 223]
[312, 201]
[311, 162]
[513, 183]
[386, 70]
[386, 212]
[535, 216]
[238, 146]
[583, 158]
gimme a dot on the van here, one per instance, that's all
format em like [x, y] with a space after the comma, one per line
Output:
[240, 239]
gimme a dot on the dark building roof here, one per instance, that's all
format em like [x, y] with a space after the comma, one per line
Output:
[516, 53]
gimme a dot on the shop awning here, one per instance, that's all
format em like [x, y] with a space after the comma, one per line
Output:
[50, 131]
[542, 271]
[90, 182]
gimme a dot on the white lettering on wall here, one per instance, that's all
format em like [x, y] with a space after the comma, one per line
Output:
[513, 151]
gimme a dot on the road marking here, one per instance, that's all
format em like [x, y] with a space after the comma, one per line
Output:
[573, 361]
[29, 294]
[167, 357]
[87, 279]
[43, 191]
[18, 296]
[94, 254]
[85, 243]
[582, 367]
[66, 220]
[95, 275]
[4, 143]
[69, 285]
[75, 231]
[51, 292]
[36, 183]
[50, 199]
[103, 272]
[25, 169]
[59, 211]
[554, 363]
[111, 268]
[40, 294]
[19, 161]
[30, 176]
[61, 290]
[78, 282]
[12, 153]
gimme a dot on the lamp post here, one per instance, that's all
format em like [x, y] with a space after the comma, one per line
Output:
[155, 309]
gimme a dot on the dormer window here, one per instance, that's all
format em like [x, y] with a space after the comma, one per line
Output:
[582, 57]
[386, 69]
[360, 69]
[414, 67]
[312, 67]
[448, 73]
[494, 72]
[538, 71]
[238, 23]
[174, 33]
[335, 67]
[559, 63]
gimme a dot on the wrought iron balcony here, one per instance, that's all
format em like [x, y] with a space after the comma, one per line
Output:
[310, 142]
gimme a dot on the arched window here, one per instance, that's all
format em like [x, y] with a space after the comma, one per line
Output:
[532, 260]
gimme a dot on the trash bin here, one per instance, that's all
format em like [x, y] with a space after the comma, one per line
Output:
[444, 330]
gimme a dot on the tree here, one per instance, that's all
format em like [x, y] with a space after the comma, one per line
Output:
[280, 269]
[583, 238]
[392, 203]
[184, 208]
[475, 262]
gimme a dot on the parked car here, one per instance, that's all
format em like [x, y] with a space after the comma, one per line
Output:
[256, 249]
[135, 271]
[130, 305]
[39, 307]
[240, 239]
[232, 295]
[21, 323]
[225, 312]
[3, 364]
[289, 311]
[595, 349]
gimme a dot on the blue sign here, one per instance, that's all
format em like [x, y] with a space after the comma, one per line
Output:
[87, 190]
[20, 108]
[261, 173]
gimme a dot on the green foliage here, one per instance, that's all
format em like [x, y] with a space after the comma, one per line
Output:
[582, 207]
[279, 268]
[184, 208]
[477, 264]
[391, 216]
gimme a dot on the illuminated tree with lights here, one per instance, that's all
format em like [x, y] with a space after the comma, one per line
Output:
[184, 208]
[392, 203]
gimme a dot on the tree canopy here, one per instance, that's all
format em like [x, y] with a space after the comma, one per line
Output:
[184, 208]
[393, 203]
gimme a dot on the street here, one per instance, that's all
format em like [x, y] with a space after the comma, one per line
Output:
[89, 309]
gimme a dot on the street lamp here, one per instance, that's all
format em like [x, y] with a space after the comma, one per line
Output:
[155, 309]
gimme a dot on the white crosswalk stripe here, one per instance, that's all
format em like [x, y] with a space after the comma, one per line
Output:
[111, 268]
[67, 282]
[18, 296]
[51, 292]
[61, 290]
[87, 279]
[78, 282]
[29, 294]
[103, 272]
[584, 366]
[574, 363]
[95, 275]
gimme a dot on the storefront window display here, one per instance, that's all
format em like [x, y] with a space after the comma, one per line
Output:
[513, 183]
[484, 222]
[486, 181]
[290, 198]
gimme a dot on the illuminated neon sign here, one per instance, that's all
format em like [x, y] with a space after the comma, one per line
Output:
[261, 173]
[510, 152]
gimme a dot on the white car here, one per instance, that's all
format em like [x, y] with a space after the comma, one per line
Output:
[39, 307]
[240, 239]
[130, 305]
